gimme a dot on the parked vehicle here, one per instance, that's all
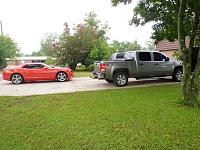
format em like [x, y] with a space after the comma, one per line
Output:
[138, 64]
[36, 72]
[97, 73]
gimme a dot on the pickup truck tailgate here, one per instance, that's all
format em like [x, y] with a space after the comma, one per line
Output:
[97, 66]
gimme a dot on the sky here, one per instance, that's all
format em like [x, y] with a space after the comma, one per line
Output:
[27, 21]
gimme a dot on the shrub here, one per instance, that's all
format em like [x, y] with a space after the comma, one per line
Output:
[90, 67]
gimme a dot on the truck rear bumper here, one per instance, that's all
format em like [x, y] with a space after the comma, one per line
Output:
[98, 75]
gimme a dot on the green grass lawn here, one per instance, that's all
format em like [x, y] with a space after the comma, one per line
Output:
[135, 118]
[82, 74]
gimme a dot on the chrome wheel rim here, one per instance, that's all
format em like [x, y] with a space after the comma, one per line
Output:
[62, 77]
[121, 80]
[179, 75]
[17, 79]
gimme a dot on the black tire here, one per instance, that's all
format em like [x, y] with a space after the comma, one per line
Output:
[61, 77]
[177, 75]
[109, 81]
[121, 79]
[17, 78]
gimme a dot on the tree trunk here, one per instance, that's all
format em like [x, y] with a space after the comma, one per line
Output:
[190, 83]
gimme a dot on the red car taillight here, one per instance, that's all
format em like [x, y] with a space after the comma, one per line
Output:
[102, 67]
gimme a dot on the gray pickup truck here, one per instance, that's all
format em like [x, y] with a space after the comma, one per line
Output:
[137, 64]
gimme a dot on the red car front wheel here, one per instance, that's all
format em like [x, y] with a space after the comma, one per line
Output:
[61, 77]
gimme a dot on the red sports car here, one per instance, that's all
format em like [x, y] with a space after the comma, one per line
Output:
[37, 72]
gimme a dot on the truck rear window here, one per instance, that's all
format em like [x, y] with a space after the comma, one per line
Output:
[120, 55]
[144, 56]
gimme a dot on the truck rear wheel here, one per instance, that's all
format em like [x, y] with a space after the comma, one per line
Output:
[121, 79]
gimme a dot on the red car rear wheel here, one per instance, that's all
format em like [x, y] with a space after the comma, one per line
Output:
[17, 78]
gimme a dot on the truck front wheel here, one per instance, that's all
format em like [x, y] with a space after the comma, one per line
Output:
[121, 79]
[178, 75]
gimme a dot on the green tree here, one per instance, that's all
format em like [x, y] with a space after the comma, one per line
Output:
[47, 43]
[8, 49]
[99, 48]
[175, 20]
[88, 42]
[38, 53]
[126, 46]
[150, 45]
[50, 61]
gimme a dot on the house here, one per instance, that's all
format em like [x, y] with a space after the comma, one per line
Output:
[19, 60]
[168, 48]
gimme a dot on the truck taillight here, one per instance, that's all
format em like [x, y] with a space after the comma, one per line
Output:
[102, 67]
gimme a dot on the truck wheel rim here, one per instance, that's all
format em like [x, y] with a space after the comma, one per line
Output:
[179, 75]
[61, 76]
[17, 79]
[121, 80]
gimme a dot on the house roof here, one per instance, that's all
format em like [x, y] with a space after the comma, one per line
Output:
[165, 45]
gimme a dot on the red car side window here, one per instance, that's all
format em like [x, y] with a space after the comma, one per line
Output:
[26, 66]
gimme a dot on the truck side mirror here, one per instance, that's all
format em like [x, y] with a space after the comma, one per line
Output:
[167, 59]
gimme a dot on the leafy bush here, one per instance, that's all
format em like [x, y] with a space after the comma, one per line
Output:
[90, 67]
[81, 69]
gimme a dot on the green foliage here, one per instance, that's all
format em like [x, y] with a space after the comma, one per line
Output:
[164, 14]
[87, 43]
[39, 53]
[51, 61]
[116, 2]
[135, 118]
[81, 69]
[150, 45]
[177, 55]
[8, 49]
[46, 45]
[126, 46]
[90, 68]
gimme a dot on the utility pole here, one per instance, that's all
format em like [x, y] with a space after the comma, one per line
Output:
[1, 27]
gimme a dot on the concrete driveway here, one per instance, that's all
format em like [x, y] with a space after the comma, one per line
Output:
[77, 84]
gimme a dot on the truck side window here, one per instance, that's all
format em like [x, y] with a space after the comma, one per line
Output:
[158, 57]
[144, 56]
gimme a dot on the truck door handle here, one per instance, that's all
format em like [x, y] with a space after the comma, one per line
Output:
[141, 64]
[156, 64]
